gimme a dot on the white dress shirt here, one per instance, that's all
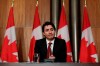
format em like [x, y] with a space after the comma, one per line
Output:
[52, 45]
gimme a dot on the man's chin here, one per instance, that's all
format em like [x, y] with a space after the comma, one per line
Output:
[51, 38]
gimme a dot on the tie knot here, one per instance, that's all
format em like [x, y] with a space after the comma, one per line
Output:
[49, 43]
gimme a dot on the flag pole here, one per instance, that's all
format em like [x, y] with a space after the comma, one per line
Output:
[63, 2]
[85, 3]
[12, 3]
[36, 2]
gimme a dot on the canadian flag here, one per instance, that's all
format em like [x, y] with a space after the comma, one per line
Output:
[87, 49]
[36, 34]
[63, 33]
[9, 51]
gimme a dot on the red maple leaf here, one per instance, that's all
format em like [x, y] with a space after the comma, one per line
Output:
[69, 53]
[59, 36]
[9, 51]
[91, 51]
[86, 52]
[83, 51]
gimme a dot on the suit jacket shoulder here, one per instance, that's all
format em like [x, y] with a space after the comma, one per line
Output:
[59, 40]
[39, 44]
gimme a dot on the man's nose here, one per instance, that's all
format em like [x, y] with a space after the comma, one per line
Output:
[50, 31]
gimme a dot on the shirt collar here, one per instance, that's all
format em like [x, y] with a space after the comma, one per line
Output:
[50, 41]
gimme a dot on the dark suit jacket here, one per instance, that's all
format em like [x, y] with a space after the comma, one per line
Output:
[59, 49]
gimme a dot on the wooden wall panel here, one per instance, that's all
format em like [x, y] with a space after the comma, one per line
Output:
[91, 7]
[27, 38]
[44, 10]
[20, 43]
[1, 36]
[98, 41]
[97, 13]
[19, 13]
[66, 2]
[3, 12]
[29, 12]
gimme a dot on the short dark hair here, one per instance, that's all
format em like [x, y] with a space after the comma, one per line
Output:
[46, 24]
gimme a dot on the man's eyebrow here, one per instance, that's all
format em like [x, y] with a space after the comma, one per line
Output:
[46, 29]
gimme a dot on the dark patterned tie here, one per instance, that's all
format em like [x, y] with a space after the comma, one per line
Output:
[49, 49]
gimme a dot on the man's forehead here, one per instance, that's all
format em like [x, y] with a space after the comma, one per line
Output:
[48, 26]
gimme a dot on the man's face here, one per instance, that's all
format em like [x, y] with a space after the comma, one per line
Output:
[49, 32]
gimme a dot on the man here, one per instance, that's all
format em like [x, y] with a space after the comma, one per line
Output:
[50, 47]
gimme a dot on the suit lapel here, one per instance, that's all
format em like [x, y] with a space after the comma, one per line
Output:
[44, 46]
[55, 46]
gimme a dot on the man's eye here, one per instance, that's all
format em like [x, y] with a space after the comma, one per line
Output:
[52, 29]
[46, 30]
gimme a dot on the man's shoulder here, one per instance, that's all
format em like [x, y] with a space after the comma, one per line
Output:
[58, 39]
[39, 40]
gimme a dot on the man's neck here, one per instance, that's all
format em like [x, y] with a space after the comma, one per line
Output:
[50, 39]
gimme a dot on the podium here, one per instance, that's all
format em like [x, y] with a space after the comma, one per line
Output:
[49, 64]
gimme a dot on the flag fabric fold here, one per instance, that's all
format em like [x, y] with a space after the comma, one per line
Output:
[63, 33]
[36, 34]
[9, 51]
[88, 52]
